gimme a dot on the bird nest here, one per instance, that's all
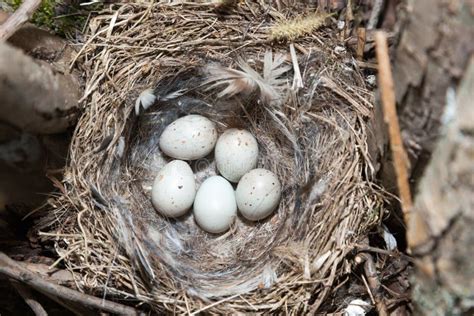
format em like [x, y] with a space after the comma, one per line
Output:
[268, 70]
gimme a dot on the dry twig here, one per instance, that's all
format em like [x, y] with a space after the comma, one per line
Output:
[21, 15]
[16, 272]
[390, 116]
[360, 43]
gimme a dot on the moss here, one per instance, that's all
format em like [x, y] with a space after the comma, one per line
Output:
[57, 16]
[44, 15]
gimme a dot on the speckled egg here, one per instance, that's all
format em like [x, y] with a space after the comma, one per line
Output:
[258, 194]
[189, 137]
[174, 189]
[215, 208]
[236, 153]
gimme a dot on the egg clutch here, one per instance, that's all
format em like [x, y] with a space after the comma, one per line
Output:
[215, 204]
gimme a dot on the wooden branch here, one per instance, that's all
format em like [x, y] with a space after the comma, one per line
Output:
[16, 20]
[361, 36]
[35, 98]
[29, 298]
[386, 87]
[15, 271]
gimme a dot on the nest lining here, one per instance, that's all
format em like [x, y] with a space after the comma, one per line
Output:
[103, 224]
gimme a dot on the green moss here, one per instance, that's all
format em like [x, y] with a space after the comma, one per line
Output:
[44, 15]
[69, 19]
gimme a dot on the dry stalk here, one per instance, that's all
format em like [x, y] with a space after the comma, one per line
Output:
[400, 159]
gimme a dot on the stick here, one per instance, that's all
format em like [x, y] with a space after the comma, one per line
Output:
[29, 299]
[390, 117]
[361, 35]
[21, 15]
[15, 271]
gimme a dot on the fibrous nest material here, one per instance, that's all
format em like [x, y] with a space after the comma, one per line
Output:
[305, 102]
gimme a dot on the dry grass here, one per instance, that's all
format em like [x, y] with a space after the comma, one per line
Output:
[104, 227]
[298, 27]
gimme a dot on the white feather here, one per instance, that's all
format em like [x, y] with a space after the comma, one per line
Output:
[173, 95]
[247, 80]
[357, 307]
[145, 100]
[390, 240]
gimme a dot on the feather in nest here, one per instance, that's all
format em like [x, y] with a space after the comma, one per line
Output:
[269, 86]
[149, 96]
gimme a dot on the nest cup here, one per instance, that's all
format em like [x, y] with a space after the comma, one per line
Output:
[313, 136]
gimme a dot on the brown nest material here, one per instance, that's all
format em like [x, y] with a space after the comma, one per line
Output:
[312, 132]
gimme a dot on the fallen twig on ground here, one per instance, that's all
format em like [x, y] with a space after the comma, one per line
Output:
[15, 271]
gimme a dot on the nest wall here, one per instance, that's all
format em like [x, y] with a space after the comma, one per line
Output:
[103, 225]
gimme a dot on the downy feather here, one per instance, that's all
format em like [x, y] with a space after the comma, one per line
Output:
[247, 80]
[145, 100]
[148, 97]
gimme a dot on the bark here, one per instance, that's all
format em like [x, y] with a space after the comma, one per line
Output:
[441, 233]
[432, 54]
[431, 79]
[34, 97]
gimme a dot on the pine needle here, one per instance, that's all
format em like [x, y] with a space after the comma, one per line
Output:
[297, 27]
